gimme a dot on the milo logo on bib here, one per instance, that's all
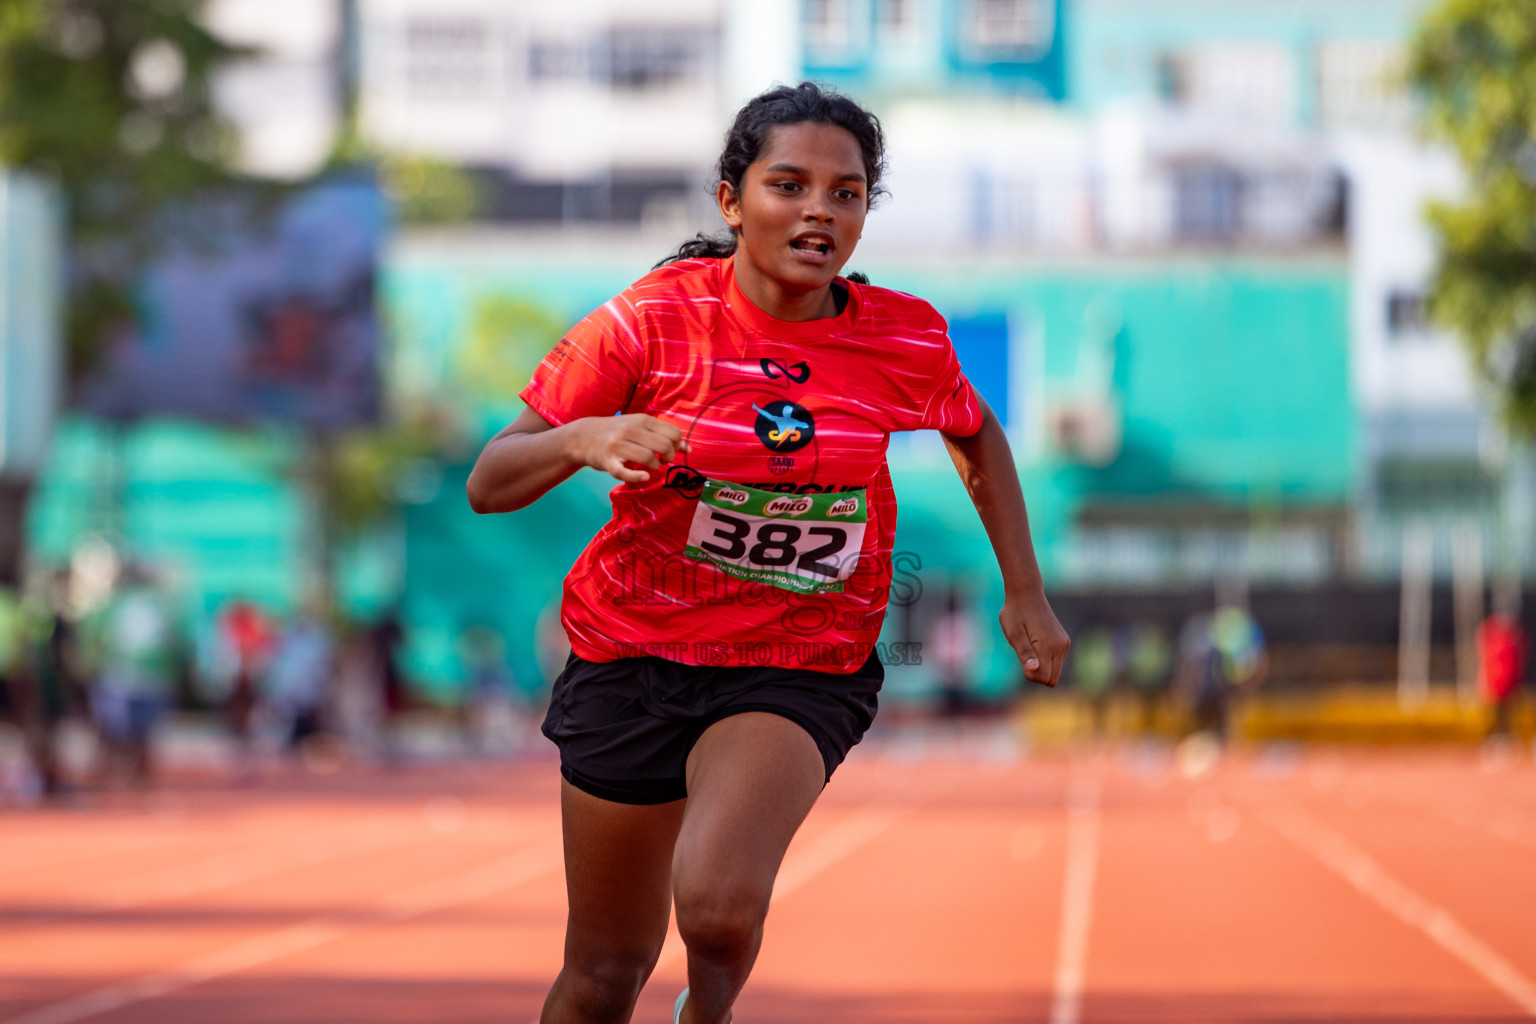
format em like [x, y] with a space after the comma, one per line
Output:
[808, 543]
[787, 507]
[845, 507]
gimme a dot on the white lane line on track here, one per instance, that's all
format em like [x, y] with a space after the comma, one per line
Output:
[439, 894]
[833, 845]
[1076, 900]
[1492, 816]
[236, 867]
[100, 847]
[1360, 870]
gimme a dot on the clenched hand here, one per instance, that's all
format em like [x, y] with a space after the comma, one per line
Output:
[621, 445]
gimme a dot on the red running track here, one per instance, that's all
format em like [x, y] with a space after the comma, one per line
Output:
[948, 884]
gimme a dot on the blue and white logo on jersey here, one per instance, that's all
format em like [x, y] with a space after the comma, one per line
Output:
[784, 426]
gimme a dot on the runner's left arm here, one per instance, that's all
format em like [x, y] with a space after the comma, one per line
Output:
[986, 467]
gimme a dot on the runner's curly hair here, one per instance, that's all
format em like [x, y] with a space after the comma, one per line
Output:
[806, 103]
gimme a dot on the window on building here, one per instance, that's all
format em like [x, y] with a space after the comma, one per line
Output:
[449, 57]
[554, 60]
[641, 58]
[1405, 313]
[1238, 78]
[627, 58]
[1207, 203]
[838, 32]
[828, 25]
[1003, 208]
[1408, 484]
[1360, 82]
[1171, 77]
[1011, 28]
[896, 19]
[1291, 206]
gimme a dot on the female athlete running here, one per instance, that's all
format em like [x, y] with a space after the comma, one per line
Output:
[723, 622]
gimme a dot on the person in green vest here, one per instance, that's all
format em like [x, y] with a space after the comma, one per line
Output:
[1093, 673]
[137, 652]
[43, 664]
[1147, 656]
[12, 638]
[14, 692]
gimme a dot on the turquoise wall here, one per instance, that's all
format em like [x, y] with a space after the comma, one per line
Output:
[216, 508]
[1232, 374]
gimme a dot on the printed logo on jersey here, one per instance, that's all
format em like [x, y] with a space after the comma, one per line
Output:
[773, 369]
[758, 370]
[685, 481]
[784, 427]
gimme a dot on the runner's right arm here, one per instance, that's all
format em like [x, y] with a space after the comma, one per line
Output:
[532, 455]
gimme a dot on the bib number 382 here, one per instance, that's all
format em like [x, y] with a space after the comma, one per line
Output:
[808, 543]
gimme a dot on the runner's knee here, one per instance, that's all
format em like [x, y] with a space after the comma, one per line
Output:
[605, 988]
[719, 925]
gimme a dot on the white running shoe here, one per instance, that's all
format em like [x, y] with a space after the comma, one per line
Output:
[677, 1007]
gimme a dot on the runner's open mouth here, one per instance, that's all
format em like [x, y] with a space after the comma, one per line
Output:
[811, 245]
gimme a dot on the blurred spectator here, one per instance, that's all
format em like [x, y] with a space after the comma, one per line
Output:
[246, 639]
[387, 635]
[1094, 670]
[138, 650]
[551, 646]
[1201, 682]
[1237, 636]
[299, 679]
[951, 648]
[52, 675]
[1219, 652]
[12, 636]
[1146, 657]
[492, 720]
[357, 698]
[20, 774]
[1502, 649]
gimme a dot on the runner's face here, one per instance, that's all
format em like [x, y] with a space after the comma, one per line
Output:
[801, 208]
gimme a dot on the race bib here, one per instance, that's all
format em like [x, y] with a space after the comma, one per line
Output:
[808, 543]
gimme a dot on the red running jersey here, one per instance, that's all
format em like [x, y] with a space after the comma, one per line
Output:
[1501, 649]
[701, 566]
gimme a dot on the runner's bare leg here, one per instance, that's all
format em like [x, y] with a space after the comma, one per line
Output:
[618, 860]
[752, 779]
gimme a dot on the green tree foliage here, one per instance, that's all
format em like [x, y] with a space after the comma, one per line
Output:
[429, 191]
[508, 336]
[1474, 64]
[376, 470]
[112, 100]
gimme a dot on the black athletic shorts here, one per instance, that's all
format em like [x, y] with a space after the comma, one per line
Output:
[625, 728]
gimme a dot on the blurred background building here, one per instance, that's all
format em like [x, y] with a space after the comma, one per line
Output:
[1179, 247]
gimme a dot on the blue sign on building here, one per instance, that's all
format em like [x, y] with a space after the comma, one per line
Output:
[269, 317]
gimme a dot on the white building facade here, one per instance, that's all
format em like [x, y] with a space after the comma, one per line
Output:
[609, 106]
